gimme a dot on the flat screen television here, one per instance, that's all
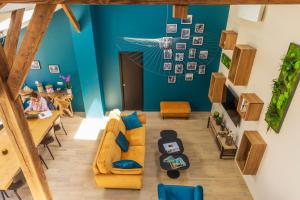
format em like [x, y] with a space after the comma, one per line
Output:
[230, 103]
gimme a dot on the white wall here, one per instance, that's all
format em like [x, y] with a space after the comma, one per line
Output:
[278, 177]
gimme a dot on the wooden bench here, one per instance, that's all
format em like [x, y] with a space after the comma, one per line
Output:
[178, 109]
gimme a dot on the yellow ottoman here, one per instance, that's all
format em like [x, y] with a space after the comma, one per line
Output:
[175, 109]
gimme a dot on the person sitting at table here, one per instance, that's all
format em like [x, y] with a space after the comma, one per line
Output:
[37, 103]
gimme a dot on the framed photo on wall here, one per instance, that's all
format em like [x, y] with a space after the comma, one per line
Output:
[167, 66]
[191, 66]
[199, 28]
[166, 42]
[171, 79]
[35, 65]
[54, 69]
[179, 56]
[178, 68]
[189, 76]
[188, 20]
[171, 28]
[168, 54]
[198, 40]
[185, 33]
[181, 46]
[192, 53]
[202, 69]
[203, 55]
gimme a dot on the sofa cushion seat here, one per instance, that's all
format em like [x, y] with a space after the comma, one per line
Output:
[115, 170]
[109, 153]
[136, 137]
[136, 153]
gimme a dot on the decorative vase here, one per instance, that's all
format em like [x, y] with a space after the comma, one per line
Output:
[69, 91]
[229, 140]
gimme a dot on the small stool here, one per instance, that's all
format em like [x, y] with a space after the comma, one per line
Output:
[168, 134]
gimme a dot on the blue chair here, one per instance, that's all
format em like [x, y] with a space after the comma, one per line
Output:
[178, 192]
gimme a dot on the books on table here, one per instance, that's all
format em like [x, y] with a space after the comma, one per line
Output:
[175, 163]
[171, 147]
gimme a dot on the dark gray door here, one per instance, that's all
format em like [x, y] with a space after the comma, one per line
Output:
[131, 68]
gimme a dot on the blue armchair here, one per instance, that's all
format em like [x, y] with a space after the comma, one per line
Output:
[178, 192]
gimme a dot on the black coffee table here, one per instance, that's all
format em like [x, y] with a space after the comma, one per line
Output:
[173, 173]
[170, 136]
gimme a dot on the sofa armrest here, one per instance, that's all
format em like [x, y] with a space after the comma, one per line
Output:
[142, 118]
[198, 193]
[161, 192]
[115, 170]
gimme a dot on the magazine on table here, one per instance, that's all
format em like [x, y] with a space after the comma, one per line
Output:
[175, 163]
[171, 147]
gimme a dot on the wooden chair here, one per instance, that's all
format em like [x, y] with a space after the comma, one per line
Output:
[64, 105]
[19, 181]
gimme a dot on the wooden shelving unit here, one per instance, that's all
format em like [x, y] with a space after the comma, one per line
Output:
[250, 106]
[216, 88]
[241, 64]
[250, 152]
[228, 40]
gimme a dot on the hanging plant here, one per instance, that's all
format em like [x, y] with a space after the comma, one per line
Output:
[284, 88]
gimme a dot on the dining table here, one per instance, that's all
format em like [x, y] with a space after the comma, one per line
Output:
[9, 162]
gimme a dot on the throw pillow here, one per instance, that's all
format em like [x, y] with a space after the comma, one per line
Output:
[122, 142]
[126, 164]
[132, 121]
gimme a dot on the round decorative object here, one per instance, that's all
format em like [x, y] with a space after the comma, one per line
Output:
[4, 151]
[173, 174]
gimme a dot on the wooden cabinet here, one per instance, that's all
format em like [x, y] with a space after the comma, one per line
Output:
[216, 88]
[228, 40]
[250, 152]
[241, 64]
[250, 106]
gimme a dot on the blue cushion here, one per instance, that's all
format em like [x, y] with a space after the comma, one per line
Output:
[122, 142]
[132, 121]
[126, 164]
[179, 192]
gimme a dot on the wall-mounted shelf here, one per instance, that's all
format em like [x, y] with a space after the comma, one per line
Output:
[250, 152]
[241, 64]
[217, 83]
[228, 40]
[250, 106]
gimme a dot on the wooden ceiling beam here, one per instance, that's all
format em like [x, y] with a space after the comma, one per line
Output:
[12, 36]
[180, 11]
[174, 2]
[71, 17]
[35, 31]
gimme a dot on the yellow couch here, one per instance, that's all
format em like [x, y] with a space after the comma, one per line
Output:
[106, 175]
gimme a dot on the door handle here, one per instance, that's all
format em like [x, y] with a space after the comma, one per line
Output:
[124, 84]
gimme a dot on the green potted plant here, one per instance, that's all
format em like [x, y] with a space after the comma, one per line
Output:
[219, 120]
[216, 114]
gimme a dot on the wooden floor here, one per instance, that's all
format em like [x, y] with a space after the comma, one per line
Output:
[70, 174]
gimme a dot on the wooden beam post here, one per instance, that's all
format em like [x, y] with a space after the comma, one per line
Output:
[11, 110]
[71, 17]
[15, 124]
[180, 11]
[12, 36]
[35, 31]
[4, 69]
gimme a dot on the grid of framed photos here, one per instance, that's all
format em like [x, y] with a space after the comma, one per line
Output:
[183, 50]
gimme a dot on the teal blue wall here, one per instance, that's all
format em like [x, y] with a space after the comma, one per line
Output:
[114, 22]
[87, 64]
[57, 48]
